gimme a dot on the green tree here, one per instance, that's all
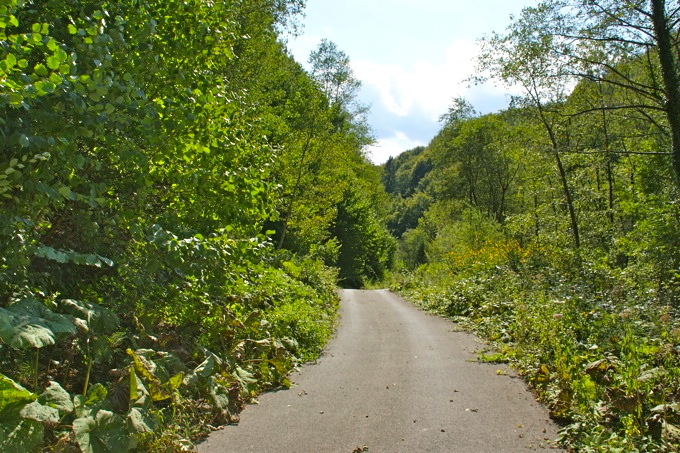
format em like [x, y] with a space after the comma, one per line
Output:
[478, 158]
[366, 247]
[525, 58]
[629, 45]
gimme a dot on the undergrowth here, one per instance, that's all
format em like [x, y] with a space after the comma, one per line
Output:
[76, 376]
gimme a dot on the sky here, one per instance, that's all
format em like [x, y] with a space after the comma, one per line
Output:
[412, 57]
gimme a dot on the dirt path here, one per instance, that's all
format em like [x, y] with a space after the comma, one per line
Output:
[394, 379]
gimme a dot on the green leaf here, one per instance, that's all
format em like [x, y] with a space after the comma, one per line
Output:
[55, 396]
[19, 435]
[53, 62]
[15, 99]
[105, 432]
[72, 29]
[65, 192]
[10, 61]
[23, 332]
[44, 87]
[38, 412]
[219, 394]
[24, 141]
[209, 366]
[13, 394]
[86, 405]
[28, 323]
[100, 320]
[245, 378]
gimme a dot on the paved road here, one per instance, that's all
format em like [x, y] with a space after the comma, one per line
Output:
[394, 379]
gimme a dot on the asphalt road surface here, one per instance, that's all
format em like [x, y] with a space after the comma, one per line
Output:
[394, 379]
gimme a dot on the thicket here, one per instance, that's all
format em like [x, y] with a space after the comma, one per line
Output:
[153, 155]
[553, 228]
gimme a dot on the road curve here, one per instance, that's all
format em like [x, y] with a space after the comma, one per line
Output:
[394, 379]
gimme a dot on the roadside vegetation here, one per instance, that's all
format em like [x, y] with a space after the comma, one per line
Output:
[178, 201]
[552, 229]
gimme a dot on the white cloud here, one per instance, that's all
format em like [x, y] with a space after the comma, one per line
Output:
[422, 87]
[408, 96]
[392, 146]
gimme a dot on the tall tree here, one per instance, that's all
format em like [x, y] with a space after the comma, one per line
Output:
[526, 58]
[331, 69]
[633, 45]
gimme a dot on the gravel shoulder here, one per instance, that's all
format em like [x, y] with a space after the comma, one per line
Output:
[394, 379]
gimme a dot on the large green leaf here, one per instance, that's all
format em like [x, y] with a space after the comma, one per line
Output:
[55, 396]
[219, 394]
[29, 324]
[39, 413]
[99, 320]
[13, 395]
[106, 432]
[245, 378]
[209, 366]
[19, 435]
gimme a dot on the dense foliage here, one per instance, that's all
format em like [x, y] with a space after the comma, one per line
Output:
[153, 156]
[553, 229]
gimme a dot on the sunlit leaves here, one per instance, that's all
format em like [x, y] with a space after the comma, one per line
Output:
[28, 323]
[136, 182]
[13, 394]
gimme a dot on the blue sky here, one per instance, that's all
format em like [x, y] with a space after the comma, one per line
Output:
[412, 57]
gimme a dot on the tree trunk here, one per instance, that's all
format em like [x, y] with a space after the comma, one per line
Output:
[662, 34]
[563, 177]
[570, 201]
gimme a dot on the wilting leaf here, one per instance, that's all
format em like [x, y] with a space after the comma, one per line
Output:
[174, 382]
[138, 393]
[137, 421]
[543, 374]
[145, 369]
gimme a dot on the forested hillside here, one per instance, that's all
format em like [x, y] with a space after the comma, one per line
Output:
[553, 228]
[178, 199]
